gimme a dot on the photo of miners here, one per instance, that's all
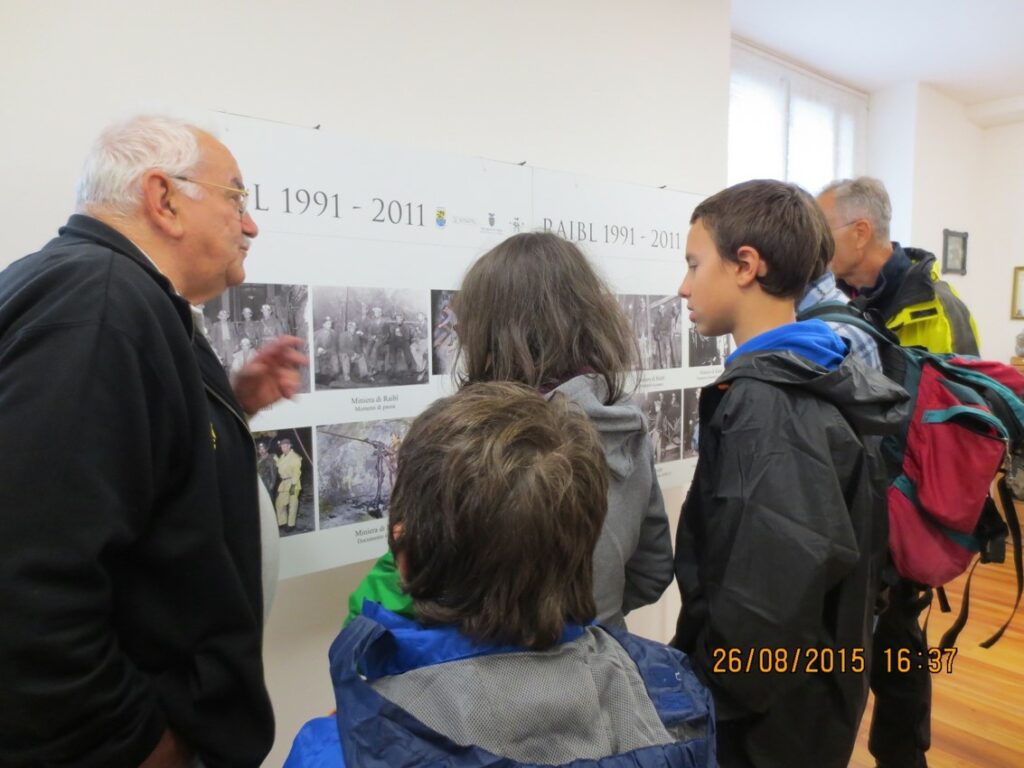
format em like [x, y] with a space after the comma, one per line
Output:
[663, 411]
[247, 316]
[369, 337]
[657, 325]
[356, 465]
[708, 350]
[691, 410]
[285, 466]
[444, 339]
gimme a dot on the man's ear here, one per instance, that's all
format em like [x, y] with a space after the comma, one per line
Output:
[749, 266]
[160, 203]
[863, 233]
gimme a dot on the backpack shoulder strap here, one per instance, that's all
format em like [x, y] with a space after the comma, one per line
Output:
[1013, 523]
[850, 314]
[830, 308]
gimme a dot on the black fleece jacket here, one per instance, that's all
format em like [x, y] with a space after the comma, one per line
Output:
[130, 588]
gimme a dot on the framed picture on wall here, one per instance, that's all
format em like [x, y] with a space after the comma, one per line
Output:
[954, 252]
[1017, 302]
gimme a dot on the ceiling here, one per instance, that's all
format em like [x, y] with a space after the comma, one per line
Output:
[972, 50]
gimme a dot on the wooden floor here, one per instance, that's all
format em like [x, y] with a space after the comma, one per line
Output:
[978, 710]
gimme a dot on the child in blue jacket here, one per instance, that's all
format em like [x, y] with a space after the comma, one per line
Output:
[497, 506]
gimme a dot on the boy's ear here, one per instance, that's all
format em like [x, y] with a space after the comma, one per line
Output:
[402, 565]
[400, 562]
[749, 266]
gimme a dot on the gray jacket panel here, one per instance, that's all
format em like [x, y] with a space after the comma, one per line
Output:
[633, 559]
[582, 699]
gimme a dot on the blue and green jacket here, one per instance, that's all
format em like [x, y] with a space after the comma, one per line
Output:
[391, 675]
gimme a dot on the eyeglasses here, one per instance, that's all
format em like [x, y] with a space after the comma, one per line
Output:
[844, 226]
[242, 195]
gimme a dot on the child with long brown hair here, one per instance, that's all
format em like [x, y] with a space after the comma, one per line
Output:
[533, 310]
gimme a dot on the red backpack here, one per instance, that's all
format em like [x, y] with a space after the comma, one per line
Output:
[964, 418]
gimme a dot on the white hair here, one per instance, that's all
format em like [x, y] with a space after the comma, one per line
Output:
[111, 177]
[863, 198]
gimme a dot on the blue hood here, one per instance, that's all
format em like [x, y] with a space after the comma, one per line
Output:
[370, 731]
[810, 339]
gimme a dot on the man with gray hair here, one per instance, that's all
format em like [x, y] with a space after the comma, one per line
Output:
[900, 284]
[131, 592]
[902, 288]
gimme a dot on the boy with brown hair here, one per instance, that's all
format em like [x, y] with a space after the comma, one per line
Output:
[497, 506]
[782, 537]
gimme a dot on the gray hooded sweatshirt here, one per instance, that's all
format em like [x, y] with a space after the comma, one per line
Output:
[633, 559]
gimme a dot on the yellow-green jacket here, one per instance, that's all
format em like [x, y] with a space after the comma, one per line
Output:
[919, 307]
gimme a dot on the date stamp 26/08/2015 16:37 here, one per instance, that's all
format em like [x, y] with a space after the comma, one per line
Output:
[828, 660]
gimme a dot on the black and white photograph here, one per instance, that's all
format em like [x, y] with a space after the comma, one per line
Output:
[284, 460]
[708, 350]
[370, 337]
[691, 413]
[657, 325]
[444, 340]
[247, 316]
[356, 465]
[663, 410]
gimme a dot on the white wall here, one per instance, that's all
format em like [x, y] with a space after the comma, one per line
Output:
[949, 194]
[892, 136]
[1000, 242]
[943, 171]
[635, 92]
[948, 157]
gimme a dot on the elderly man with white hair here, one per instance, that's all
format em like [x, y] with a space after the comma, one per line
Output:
[131, 584]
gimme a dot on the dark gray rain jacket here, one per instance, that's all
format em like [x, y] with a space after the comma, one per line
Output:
[779, 552]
